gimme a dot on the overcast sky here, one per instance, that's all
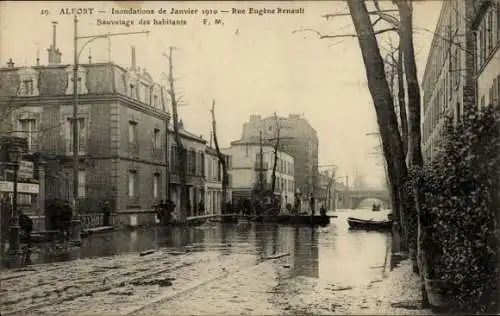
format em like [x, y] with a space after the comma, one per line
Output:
[250, 65]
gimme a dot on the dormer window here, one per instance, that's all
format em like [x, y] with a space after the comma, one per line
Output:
[27, 87]
[80, 83]
[131, 90]
[28, 82]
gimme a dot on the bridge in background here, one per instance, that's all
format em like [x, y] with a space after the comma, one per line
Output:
[353, 197]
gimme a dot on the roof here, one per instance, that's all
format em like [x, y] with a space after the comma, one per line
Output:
[187, 134]
[211, 150]
[252, 141]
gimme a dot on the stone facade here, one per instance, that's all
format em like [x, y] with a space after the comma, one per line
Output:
[122, 117]
[448, 83]
[298, 138]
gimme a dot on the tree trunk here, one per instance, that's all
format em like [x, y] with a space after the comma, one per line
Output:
[382, 98]
[401, 99]
[181, 152]
[222, 161]
[276, 147]
[414, 155]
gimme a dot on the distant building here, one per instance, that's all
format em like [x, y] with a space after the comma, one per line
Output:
[194, 146]
[448, 84]
[246, 170]
[122, 119]
[299, 139]
[486, 26]
[213, 181]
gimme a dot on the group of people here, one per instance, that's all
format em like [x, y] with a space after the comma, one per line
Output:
[164, 210]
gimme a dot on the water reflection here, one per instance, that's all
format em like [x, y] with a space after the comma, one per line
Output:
[305, 252]
[331, 253]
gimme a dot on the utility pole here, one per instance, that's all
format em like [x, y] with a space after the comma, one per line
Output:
[261, 167]
[75, 121]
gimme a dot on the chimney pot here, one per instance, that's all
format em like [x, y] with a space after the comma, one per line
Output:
[133, 58]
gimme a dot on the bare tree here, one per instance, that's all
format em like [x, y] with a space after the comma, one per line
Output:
[275, 148]
[222, 160]
[180, 150]
[383, 101]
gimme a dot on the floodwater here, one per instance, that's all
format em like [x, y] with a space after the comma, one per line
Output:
[216, 268]
[326, 252]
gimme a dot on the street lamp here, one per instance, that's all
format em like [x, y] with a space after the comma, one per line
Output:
[77, 53]
[14, 158]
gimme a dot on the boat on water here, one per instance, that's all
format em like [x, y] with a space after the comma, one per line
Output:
[369, 224]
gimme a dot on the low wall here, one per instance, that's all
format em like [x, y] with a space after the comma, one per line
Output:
[125, 218]
[134, 218]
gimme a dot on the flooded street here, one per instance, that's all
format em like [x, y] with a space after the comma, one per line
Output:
[245, 268]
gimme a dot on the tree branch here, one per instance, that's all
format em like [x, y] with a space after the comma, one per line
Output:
[333, 15]
[386, 17]
[323, 36]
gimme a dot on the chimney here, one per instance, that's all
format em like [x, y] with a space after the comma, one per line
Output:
[10, 63]
[254, 118]
[133, 58]
[54, 25]
[54, 53]
[37, 57]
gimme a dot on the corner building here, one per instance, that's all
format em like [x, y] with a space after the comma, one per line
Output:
[122, 121]
[299, 139]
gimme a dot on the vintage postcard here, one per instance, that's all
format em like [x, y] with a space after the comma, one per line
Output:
[249, 157]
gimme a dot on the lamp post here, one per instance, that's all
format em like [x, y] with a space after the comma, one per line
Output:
[75, 218]
[14, 156]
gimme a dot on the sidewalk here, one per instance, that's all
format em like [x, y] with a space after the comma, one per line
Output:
[397, 293]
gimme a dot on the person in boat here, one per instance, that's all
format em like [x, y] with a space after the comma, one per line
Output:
[170, 209]
[322, 210]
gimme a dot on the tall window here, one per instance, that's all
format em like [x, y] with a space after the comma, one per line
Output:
[82, 135]
[132, 132]
[156, 139]
[155, 100]
[156, 185]
[132, 183]
[173, 158]
[132, 91]
[209, 169]
[27, 87]
[202, 164]
[28, 127]
[81, 183]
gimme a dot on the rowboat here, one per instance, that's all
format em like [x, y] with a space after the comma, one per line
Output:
[369, 224]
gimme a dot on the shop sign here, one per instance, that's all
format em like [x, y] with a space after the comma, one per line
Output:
[8, 186]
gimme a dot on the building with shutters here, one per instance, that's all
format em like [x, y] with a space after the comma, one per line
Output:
[486, 26]
[448, 84]
[122, 120]
[194, 146]
[213, 181]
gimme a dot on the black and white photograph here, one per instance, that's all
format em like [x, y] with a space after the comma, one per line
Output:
[333, 157]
